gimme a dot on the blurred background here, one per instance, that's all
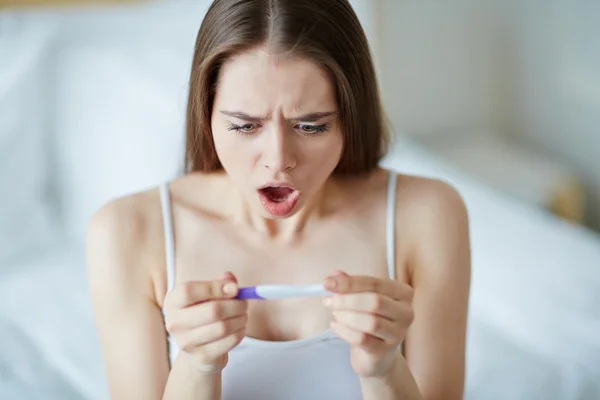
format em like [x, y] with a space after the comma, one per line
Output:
[499, 97]
[508, 90]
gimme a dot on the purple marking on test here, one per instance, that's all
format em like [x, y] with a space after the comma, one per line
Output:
[272, 292]
[248, 293]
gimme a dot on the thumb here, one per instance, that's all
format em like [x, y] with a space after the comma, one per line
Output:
[332, 280]
[337, 274]
[229, 276]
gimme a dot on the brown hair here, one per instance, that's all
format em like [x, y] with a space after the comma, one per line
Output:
[327, 32]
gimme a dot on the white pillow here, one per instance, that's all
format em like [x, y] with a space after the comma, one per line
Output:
[122, 93]
[25, 211]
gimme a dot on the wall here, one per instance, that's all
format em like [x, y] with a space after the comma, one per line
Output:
[437, 64]
[530, 70]
[556, 93]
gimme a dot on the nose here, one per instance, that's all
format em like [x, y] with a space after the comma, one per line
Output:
[279, 154]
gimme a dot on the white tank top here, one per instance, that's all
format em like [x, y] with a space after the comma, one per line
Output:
[315, 368]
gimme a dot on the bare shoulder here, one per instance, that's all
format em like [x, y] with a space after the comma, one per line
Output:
[433, 217]
[123, 240]
[423, 192]
[122, 217]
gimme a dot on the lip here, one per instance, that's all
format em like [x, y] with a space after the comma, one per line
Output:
[279, 209]
[278, 184]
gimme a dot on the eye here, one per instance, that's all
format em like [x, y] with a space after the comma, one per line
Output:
[312, 129]
[244, 129]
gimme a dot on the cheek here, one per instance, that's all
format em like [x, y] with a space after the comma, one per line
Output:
[236, 154]
[222, 143]
[324, 156]
[227, 148]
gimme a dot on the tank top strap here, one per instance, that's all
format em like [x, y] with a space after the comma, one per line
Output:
[391, 224]
[165, 202]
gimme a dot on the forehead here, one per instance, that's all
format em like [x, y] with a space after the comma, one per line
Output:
[260, 82]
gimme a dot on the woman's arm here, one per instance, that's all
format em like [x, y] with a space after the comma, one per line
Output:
[128, 320]
[187, 382]
[440, 271]
[120, 250]
[397, 384]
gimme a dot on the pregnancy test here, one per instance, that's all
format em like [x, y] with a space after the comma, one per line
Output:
[272, 292]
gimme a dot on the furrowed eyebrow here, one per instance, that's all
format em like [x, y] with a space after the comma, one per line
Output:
[241, 115]
[312, 117]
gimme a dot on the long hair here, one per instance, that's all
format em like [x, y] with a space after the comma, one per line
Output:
[326, 32]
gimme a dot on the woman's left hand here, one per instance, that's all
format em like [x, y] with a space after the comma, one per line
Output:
[372, 315]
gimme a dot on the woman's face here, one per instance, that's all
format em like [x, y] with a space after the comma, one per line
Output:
[275, 129]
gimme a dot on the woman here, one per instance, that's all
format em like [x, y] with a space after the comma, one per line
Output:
[282, 186]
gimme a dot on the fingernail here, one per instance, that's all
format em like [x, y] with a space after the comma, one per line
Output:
[229, 288]
[327, 301]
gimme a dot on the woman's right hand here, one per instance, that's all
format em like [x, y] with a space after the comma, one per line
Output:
[206, 321]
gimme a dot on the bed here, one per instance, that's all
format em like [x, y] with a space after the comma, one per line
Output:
[534, 321]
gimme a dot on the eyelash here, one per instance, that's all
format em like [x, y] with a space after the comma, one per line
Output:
[316, 129]
[240, 129]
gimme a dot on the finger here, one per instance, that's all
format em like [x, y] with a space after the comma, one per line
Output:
[370, 324]
[219, 347]
[356, 338]
[207, 334]
[339, 273]
[368, 302]
[204, 313]
[357, 284]
[229, 276]
[194, 292]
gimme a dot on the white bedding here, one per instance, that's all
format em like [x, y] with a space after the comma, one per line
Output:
[46, 308]
[534, 327]
[535, 304]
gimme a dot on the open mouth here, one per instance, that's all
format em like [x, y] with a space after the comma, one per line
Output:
[277, 194]
[278, 201]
